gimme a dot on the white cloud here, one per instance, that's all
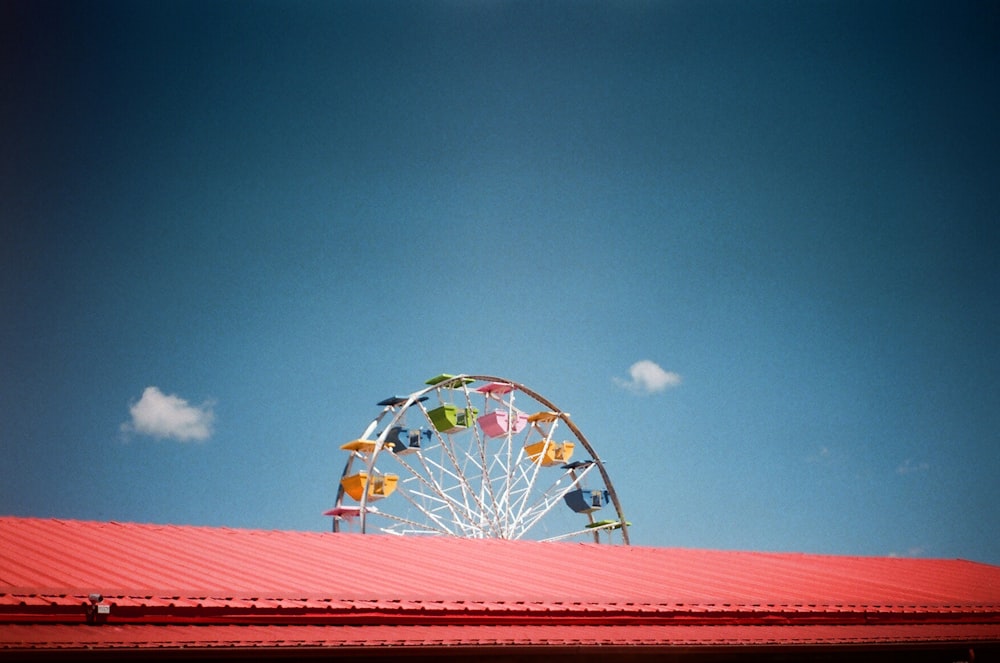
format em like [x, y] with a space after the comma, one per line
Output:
[821, 456]
[647, 377]
[162, 416]
[909, 467]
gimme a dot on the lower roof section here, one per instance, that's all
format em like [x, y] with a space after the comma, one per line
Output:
[72, 637]
[77, 586]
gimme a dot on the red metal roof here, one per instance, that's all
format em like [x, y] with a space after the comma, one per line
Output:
[182, 586]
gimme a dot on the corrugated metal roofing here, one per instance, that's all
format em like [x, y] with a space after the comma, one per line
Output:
[337, 589]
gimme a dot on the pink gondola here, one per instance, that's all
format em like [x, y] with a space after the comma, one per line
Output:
[499, 422]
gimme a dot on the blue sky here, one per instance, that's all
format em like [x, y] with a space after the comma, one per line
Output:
[249, 222]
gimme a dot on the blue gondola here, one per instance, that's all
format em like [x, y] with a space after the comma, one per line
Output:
[586, 500]
[401, 440]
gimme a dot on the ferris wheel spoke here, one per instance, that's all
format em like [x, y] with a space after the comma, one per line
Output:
[538, 510]
[466, 520]
[418, 526]
[489, 496]
[453, 498]
[439, 473]
[555, 492]
[436, 510]
[437, 493]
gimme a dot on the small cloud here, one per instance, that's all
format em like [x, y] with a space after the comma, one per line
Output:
[822, 455]
[915, 551]
[909, 467]
[162, 416]
[647, 377]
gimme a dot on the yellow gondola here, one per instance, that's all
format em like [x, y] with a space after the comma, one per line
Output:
[547, 453]
[381, 485]
[364, 446]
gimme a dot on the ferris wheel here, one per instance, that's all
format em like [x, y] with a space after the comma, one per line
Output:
[476, 456]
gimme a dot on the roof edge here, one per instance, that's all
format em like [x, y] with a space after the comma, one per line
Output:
[115, 614]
